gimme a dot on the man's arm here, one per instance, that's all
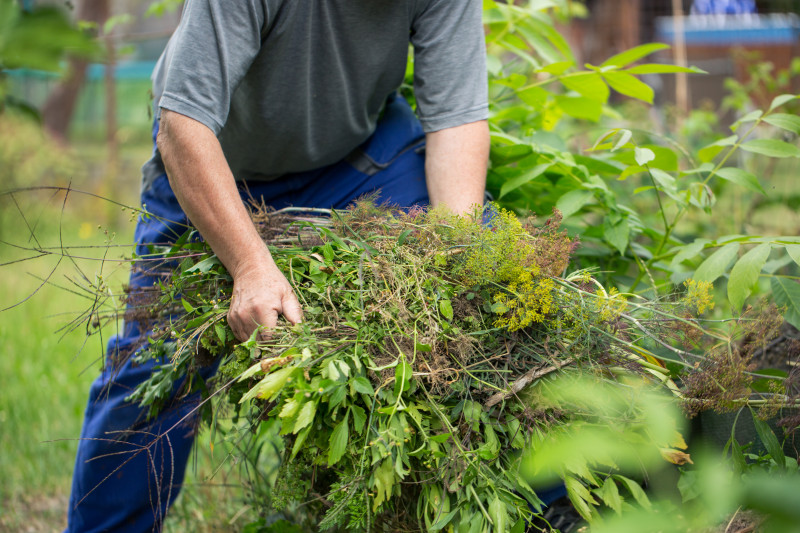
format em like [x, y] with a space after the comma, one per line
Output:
[455, 166]
[205, 187]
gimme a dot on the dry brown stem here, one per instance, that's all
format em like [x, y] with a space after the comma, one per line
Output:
[527, 378]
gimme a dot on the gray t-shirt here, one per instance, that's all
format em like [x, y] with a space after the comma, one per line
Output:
[294, 85]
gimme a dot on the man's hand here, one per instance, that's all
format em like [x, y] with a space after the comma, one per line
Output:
[261, 293]
[455, 166]
[204, 185]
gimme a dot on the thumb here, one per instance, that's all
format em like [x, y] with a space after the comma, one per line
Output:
[291, 309]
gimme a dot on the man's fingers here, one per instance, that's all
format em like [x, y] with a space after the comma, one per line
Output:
[292, 310]
[253, 306]
[266, 319]
[236, 327]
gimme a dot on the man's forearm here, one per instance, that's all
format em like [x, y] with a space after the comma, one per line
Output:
[204, 185]
[456, 160]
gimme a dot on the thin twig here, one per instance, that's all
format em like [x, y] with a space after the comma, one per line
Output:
[521, 383]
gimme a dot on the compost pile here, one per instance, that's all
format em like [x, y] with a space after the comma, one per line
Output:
[401, 398]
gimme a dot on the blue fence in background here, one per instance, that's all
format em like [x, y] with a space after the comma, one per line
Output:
[733, 30]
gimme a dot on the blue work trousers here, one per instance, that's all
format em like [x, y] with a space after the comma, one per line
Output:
[130, 469]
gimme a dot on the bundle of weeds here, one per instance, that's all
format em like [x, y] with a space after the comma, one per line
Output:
[405, 397]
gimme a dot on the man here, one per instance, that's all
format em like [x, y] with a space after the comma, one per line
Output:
[296, 100]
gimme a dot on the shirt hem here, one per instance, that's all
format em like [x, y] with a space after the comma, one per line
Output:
[451, 120]
[191, 110]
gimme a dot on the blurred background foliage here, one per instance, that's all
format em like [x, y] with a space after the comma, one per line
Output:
[664, 174]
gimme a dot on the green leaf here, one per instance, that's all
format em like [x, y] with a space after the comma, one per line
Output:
[557, 69]
[338, 442]
[769, 440]
[632, 170]
[446, 309]
[688, 486]
[443, 520]
[737, 457]
[784, 121]
[617, 234]
[627, 57]
[499, 515]
[338, 395]
[794, 252]
[689, 251]
[588, 84]
[665, 159]
[636, 491]
[786, 293]
[403, 236]
[643, 156]
[299, 441]
[205, 265]
[523, 178]
[665, 180]
[491, 444]
[289, 409]
[270, 386]
[624, 137]
[422, 347]
[717, 263]
[750, 117]
[39, 38]
[771, 148]
[533, 96]
[780, 100]
[629, 85]
[116, 20]
[160, 7]
[187, 306]
[444, 437]
[306, 416]
[362, 385]
[573, 201]
[745, 274]
[222, 335]
[711, 151]
[402, 377]
[503, 154]
[741, 177]
[9, 14]
[600, 143]
[580, 497]
[658, 68]
[359, 418]
[580, 107]
[609, 493]
[383, 481]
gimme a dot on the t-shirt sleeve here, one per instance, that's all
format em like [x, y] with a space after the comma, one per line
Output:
[450, 80]
[208, 56]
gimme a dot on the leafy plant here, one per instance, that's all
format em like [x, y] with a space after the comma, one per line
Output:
[36, 39]
[609, 190]
[431, 382]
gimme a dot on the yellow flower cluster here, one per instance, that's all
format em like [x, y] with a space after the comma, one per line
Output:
[698, 295]
[528, 300]
[611, 306]
[506, 258]
[500, 253]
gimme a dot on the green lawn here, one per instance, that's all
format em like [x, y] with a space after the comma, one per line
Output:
[45, 372]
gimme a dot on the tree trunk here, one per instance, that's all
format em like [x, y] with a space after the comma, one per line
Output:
[60, 105]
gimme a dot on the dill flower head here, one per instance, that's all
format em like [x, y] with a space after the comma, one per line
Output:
[698, 295]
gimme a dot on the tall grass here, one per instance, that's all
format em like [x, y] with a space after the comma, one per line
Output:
[46, 370]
